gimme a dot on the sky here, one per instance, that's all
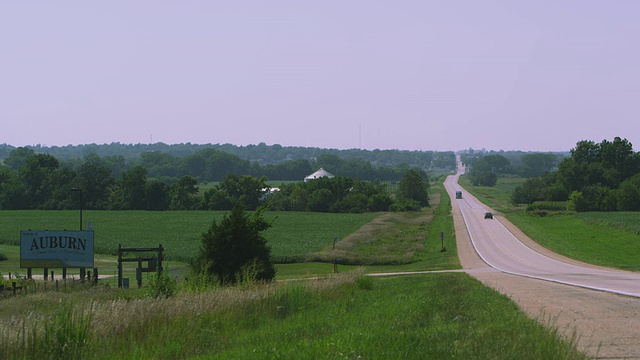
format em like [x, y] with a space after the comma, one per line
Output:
[410, 75]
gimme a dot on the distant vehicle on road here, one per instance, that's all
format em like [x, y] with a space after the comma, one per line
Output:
[458, 194]
[488, 215]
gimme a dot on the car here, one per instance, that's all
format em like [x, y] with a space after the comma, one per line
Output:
[488, 215]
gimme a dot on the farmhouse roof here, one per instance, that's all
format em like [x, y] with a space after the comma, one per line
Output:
[318, 174]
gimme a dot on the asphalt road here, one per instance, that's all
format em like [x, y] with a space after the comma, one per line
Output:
[500, 249]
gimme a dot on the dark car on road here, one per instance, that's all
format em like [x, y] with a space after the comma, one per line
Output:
[488, 215]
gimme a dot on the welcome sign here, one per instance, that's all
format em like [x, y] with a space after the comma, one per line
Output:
[56, 249]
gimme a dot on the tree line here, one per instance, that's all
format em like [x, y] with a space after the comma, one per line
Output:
[210, 164]
[40, 181]
[601, 176]
[261, 154]
[485, 169]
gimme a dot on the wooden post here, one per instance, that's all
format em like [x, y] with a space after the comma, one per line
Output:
[160, 257]
[46, 274]
[139, 274]
[119, 265]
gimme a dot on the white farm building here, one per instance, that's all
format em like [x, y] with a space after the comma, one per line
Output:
[318, 174]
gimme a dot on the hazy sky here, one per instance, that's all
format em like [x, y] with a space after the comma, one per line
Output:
[417, 75]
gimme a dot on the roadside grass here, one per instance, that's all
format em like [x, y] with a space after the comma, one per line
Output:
[496, 197]
[346, 315]
[610, 239]
[401, 241]
[622, 220]
[579, 237]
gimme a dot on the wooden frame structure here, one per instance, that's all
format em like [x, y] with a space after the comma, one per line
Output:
[154, 263]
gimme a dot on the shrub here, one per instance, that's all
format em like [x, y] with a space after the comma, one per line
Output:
[548, 205]
[161, 285]
[236, 248]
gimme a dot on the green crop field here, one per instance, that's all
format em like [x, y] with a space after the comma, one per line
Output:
[293, 234]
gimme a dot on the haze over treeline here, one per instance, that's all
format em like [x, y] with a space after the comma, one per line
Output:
[260, 153]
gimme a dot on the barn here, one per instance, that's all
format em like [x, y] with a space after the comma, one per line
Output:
[318, 174]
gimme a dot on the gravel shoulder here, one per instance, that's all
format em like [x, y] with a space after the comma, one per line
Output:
[605, 325]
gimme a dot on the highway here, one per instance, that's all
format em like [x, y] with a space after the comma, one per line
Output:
[501, 250]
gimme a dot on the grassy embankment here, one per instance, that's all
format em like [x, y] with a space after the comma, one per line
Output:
[344, 315]
[609, 239]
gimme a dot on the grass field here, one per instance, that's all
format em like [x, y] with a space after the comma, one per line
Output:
[603, 238]
[293, 234]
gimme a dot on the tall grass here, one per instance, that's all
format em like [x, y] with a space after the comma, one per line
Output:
[65, 335]
[343, 316]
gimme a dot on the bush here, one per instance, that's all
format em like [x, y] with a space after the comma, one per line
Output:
[548, 205]
[235, 250]
[161, 285]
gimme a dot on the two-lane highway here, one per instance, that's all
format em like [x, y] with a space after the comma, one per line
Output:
[501, 250]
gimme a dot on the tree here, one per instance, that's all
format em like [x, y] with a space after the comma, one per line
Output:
[414, 186]
[12, 190]
[628, 194]
[184, 194]
[497, 164]
[532, 190]
[235, 250]
[95, 179]
[320, 200]
[133, 186]
[483, 179]
[157, 194]
[35, 175]
[535, 165]
[244, 188]
[18, 157]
